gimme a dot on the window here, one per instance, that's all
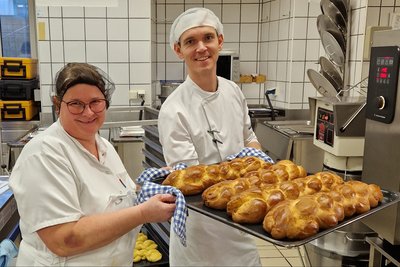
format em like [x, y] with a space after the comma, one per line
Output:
[15, 28]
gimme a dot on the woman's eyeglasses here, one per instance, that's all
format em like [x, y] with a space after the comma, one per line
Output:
[77, 107]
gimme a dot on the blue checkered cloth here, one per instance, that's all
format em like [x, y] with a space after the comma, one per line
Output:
[151, 174]
[250, 151]
[150, 189]
[8, 250]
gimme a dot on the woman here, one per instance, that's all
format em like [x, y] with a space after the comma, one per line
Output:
[74, 196]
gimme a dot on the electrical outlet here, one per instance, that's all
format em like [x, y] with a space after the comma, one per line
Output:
[133, 94]
[395, 20]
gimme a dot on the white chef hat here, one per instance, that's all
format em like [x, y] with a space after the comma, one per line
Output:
[193, 17]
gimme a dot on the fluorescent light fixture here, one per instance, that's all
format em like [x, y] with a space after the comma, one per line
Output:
[79, 3]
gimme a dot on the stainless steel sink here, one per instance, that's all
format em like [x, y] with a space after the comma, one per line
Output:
[292, 127]
[126, 116]
[291, 139]
[289, 123]
[122, 114]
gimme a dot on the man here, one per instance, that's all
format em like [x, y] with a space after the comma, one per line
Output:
[202, 122]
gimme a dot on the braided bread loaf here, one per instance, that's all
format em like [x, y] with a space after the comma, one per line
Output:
[195, 179]
[306, 215]
[357, 197]
[303, 217]
[283, 170]
[252, 205]
[321, 181]
[218, 195]
[240, 206]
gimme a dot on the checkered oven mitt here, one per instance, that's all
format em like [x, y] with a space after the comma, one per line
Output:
[150, 189]
[152, 174]
[250, 151]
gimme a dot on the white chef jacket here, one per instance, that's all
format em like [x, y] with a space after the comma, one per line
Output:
[185, 121]
[56, 180]
[190, 117]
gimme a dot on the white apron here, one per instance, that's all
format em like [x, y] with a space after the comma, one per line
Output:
[212, 243]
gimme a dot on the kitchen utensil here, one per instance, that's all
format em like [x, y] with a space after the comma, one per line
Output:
[323, 86]
[324, 23]
[332, 48]
[270, 105]
[352, 117]
[342, 6]
[329, 9]
[329, 71]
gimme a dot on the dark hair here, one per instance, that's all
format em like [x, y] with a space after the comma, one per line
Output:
[78, 73]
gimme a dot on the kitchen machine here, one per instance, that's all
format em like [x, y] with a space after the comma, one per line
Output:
[339, 127]
[382, 142]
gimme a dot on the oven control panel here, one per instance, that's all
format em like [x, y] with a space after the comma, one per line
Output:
[382, 83]
[325, 130]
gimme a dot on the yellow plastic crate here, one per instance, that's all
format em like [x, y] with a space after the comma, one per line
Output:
[18, 68]
[18, 110]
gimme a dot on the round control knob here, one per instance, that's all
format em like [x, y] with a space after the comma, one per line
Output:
[380, 102]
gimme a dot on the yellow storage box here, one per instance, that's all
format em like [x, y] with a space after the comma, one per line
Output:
[18, 110]
[18, 68]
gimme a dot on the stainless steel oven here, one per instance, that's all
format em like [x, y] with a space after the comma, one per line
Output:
[382, 132]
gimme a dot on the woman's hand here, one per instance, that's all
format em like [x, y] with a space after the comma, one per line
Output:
[158, 208]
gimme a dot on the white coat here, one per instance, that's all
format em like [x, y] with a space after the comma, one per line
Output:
[56, 180]
[195, 127]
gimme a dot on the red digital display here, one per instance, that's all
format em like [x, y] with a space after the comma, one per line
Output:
[383, 71]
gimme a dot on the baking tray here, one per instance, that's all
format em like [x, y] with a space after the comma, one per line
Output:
[195, 202]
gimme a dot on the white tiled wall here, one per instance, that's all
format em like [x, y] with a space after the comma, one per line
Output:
[116, 39]
[278, 38]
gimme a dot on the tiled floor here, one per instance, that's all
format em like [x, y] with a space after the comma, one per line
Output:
[275, 256]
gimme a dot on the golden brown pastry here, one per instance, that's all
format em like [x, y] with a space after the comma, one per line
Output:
[321, 181]
[248, 207]
[281, 171]
[252, 205]
[240, 209]
[218, 195]
[359, 197]
[304, 216]
[195, 179]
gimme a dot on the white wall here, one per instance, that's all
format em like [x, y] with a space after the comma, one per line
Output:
[116, 39]
[278, 38]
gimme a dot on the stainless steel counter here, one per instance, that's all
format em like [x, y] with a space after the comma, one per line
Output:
[9, 132]
[293, 140]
